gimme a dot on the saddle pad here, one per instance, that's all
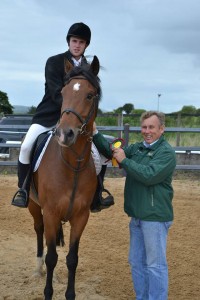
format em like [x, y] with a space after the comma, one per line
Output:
[97, 159]
[36, 165]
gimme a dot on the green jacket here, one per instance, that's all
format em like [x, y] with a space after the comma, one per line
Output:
[148, 188]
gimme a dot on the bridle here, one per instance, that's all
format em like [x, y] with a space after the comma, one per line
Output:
[83, 131]
[93, 109]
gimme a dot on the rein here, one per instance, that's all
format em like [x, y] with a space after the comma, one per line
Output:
[75, 182]
[79, 158]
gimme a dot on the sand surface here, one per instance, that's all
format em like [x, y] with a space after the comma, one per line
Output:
[103, 272]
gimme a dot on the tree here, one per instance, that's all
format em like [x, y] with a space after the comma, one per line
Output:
[190, 109]
[5, 106]
[128, 107]
[119, 110]
[138, 111]
[198, 111]
[31, 110]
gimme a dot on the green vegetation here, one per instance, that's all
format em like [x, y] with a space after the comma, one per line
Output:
[187, 120]
[31, 110]
[5, 106]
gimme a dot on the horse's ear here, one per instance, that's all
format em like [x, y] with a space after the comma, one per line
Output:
[94, 67]
[68, 66]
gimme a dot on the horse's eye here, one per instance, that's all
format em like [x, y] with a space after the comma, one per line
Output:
[89, 96]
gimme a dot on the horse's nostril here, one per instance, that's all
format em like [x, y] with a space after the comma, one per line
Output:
[70, 133]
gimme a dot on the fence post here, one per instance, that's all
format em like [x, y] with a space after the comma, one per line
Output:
[178, 136]
[120, 123]
[14, 154]
[126, 133]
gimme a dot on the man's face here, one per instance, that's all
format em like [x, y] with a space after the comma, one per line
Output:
[151, 129]
[77, 47]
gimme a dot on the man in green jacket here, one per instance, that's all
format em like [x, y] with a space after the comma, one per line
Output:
[148, 193]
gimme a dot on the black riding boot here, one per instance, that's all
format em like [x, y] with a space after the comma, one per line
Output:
[99, 202]
[20, 199]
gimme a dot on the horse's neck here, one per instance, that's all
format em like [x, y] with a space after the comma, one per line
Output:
[82, 147]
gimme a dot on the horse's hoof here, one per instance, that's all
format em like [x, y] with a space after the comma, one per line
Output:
[38, 274]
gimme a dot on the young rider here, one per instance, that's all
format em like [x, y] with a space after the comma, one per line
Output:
[48, 111]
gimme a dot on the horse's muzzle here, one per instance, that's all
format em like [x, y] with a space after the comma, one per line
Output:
[67, 136]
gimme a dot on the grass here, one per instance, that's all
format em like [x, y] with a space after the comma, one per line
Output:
[175, 139]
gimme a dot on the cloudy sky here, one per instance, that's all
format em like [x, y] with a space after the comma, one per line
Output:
[146, 48]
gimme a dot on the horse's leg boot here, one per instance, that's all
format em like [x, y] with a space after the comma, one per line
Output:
[20, 199]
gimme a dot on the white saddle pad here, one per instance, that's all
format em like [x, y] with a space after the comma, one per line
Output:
[97, 159]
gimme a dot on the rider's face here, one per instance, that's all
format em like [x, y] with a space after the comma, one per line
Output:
[77, 47]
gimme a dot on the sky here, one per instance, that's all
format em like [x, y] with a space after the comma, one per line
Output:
[146, 48]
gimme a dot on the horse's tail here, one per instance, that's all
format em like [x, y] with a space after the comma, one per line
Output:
[60, 236]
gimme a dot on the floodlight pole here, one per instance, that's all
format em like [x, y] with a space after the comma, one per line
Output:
[159, 95]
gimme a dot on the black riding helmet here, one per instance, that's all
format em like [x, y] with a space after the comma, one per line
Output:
[80, 30]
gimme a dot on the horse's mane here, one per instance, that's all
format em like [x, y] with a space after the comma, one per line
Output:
[84, 71]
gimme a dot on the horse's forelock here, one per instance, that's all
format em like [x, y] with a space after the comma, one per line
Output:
[85, 72]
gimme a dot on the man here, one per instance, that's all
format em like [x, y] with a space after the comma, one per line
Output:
[48, 111]
[149, 167]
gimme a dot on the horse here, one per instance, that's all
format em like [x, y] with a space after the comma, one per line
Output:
[66, 179]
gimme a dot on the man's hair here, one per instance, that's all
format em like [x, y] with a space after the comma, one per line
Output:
[147, 114]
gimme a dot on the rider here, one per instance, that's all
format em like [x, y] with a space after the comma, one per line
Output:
[48, 111]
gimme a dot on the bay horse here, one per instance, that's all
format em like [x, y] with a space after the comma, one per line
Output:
[66, 179]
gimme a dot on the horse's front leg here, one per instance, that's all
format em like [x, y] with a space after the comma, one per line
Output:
[51, 227]
[40, 249]
[36, 213]
[72, 262]
[77, 226]
[51, 261]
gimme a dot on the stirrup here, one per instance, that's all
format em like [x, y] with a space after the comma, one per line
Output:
[20, 199]
[107, 201]
[104, 202]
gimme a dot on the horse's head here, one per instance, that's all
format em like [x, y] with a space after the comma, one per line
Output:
[81, 95]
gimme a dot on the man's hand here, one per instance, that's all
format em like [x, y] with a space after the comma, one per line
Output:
[118, 154]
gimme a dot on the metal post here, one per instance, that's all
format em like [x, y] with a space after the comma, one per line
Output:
[120, 123]
[126, 134]
[159, 95]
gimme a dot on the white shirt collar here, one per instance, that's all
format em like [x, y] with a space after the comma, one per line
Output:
[77, 62]
[149, 145]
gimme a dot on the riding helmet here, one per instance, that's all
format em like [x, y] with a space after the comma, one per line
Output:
[80, 30]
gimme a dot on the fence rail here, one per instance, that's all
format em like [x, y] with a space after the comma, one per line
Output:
[194, 164]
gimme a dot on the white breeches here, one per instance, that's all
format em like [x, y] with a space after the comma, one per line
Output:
[34, 131]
